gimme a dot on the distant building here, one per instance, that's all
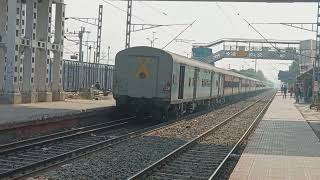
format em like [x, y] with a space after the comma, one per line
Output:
[202, 53]
[307, 55]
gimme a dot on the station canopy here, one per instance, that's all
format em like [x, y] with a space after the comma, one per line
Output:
[306, 75]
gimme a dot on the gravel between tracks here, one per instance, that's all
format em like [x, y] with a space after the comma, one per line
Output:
[215, 145]
[233, 133]
[126, 159]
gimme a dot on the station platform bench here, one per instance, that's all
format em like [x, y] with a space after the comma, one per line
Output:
[282, 147]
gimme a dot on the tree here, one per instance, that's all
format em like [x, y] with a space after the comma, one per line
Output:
[294, 68]
[251, 73]
[290, 76]
[256, 75]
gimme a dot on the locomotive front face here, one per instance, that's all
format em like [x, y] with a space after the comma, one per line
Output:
[142, 77]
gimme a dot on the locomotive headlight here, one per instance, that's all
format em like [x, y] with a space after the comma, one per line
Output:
[142, 75]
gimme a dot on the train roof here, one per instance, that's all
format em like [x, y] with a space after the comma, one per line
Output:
[188, 61]
[197, 63]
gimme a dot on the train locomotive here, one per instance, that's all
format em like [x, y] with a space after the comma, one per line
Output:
[161, 83]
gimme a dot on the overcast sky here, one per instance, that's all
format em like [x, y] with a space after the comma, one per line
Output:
[214, 21]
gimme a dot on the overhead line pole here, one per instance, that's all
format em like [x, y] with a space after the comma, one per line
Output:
[99, 31]
[82, 31]
[128, 24]
[315, 76]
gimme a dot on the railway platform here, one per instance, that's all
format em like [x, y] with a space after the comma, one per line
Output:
[282, 147]
[16, 114]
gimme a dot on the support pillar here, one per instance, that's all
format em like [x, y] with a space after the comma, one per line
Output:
[11, 92]
[28, 91]
[57, 87]
[3, 23]
[42, 55]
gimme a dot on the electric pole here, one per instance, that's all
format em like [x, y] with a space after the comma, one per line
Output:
[94, 22]
[108, 55]
[128, 24]
[89, 54]
[315, 76]
[186, 53]
[153, 39]
[98, 48]
[150, 41]
[80, 35]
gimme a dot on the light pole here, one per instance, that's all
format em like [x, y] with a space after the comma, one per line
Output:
[186, 53]
[153, 38]
[108, 55]
[150, 41]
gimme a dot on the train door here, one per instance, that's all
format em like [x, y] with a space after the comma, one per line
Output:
[181, 81]
[195, 83]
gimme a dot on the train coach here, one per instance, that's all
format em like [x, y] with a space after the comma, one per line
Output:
[149, 80]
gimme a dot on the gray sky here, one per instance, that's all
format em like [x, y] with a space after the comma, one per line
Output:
[214, 21]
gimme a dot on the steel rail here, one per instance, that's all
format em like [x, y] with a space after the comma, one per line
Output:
[58, 134]
[244, 136]
[147, 171]
[26, 171]
[63, 158]
[12, 173]
[54, 161]
[64, 137]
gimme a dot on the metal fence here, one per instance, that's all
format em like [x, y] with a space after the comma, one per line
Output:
[79, 75]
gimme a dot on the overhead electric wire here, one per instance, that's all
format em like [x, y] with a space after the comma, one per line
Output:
[155, 9]
[179, 34]
[105, 1]
[277, 49]
[108, 2]
[224, 13]
[77, 42]
[70, 51]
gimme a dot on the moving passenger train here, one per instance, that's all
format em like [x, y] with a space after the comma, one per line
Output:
[150, 80]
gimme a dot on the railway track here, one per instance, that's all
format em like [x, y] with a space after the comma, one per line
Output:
[24, 157]
[204, 156]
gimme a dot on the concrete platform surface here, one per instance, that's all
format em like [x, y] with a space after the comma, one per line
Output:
[312, 116]
[16, 113]
[283, 147]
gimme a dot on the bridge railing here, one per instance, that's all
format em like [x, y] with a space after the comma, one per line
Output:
[251, 53]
